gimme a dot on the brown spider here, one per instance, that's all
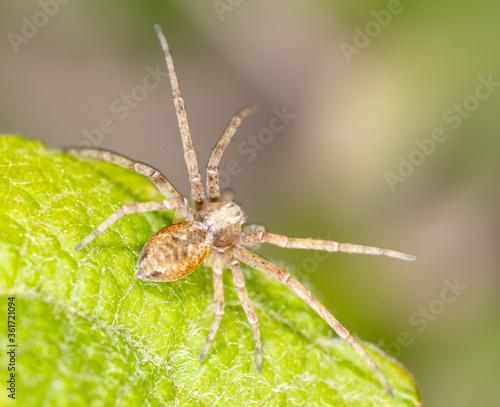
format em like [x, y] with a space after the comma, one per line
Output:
[213, 232]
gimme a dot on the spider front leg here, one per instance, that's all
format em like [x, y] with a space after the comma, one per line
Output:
[156, 177]
[213, 187]
[261, 264]
[217, 268]
[134, 208]
[261, 236]
[239, 283]
[197, 192]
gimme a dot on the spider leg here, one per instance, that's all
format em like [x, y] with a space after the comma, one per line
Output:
[197, 192]
[283, 277]
[218, 267]
[261, 236]
[133, 208]
[239, 283]
[155, 176]
[213, 187]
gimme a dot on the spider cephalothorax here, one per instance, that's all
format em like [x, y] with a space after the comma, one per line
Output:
[212, 232]
[223, 221]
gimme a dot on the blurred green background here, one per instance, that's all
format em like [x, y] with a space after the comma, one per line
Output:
[324, 174]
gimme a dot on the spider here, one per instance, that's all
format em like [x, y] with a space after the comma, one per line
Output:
[212, 231]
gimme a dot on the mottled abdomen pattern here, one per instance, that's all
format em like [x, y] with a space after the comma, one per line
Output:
[174, 252]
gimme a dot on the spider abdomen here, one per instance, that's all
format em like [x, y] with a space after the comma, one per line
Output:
[174, 252]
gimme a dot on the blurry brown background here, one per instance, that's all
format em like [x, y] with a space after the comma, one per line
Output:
[323, 174]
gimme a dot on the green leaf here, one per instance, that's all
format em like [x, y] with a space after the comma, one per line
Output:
[90, 333]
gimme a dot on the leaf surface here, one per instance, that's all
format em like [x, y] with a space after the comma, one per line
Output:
[90, 333]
